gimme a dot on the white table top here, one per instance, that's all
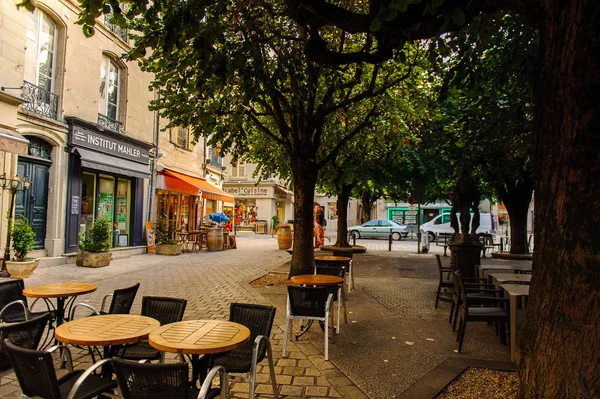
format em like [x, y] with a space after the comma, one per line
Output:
[516, 289]
[510, 277]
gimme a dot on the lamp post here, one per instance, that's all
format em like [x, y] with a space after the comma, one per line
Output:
[13, 185]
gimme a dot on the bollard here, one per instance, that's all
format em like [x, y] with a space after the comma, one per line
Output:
[353, 239]
[418, 242]
[390, 241]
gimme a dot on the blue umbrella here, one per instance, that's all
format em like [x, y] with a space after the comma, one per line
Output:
[218, 217]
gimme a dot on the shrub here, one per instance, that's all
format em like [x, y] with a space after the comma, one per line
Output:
[22, 238]
[163, 231]
[275, 222]
[98, 238]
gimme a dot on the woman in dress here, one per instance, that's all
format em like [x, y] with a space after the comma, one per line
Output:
[318, 231]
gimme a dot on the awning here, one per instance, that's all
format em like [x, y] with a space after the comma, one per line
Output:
[13, 142]
[108, 163]
[208, 190]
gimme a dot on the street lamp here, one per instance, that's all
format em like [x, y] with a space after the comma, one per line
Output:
[13, 185]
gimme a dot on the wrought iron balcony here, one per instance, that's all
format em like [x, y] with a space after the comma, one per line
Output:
[116, 29]
[40, 100]
[215, 160]
[110, 123]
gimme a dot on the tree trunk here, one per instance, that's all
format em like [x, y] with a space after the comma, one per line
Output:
[305, 178]
[365, 200]
[516, 196]
[343, 197]
[559, 341]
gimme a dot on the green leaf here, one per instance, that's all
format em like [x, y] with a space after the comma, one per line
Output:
[375, 24]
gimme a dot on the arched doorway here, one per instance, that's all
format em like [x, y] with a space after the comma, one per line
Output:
[33, 204]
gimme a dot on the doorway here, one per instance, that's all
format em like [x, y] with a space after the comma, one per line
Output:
[33, 204]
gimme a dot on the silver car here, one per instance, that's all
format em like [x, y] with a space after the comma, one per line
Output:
[379, 228]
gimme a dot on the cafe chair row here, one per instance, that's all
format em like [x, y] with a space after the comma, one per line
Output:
[121, 302]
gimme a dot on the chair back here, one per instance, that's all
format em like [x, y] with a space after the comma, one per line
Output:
[122, 300]
[258, 319]
[34, 370]
[151, 381]
[25, 334]
[307, 301]
[330, 270]
[463, 291]
[12, 290]
[165, 310]
[347, 254]
[440, 267]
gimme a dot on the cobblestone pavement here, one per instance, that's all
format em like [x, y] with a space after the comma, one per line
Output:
[394, 298]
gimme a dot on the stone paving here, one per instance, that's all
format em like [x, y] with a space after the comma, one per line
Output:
[210, 281]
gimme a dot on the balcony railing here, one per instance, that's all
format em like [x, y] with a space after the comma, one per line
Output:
[116, 29]
[215, 160]
[110, 123]
[40, 100]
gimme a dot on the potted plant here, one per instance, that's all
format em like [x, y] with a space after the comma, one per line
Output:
[274, 224]
[22, 243]
[94, 245]
[165, 244]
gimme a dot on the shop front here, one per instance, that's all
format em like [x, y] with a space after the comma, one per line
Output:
[105, 179]
[186, 201]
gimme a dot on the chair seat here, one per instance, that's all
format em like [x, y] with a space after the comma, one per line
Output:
[141, 350]
[447, 283]
[487, 312]
[236, 361]
[92, 386]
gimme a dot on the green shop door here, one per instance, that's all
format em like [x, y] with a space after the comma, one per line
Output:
[33, 204]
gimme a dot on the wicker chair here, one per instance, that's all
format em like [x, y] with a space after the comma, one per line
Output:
[339, 294]
[487, 309]
[311, 303]
[13, 304]
[165, 310]
[444, 282]
[122, 300]
[244, 359]
[162, 381]
[26, 334]
[37, 377]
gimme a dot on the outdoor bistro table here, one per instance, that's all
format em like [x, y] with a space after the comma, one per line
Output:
[514, 292]
[199, 337]
[337, 261]
[109, 331]
[502, 278]
[517, 268]
[60, 291]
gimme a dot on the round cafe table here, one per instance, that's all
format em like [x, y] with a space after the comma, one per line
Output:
[316, 279]
[60, 291]
[199, 337]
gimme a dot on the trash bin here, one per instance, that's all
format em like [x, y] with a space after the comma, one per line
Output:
[260, 227]
[424, 242]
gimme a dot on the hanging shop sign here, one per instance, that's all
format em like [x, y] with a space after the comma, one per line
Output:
[249, 191]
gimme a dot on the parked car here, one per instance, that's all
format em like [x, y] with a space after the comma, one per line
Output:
[378, 228]
[440, 226]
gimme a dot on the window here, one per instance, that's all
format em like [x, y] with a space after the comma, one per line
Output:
[238, 170]
[109, 89]
[180, 136]
[40, 66]
[116, 29]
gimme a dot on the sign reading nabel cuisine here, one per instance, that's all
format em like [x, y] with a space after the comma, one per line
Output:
[103, 143]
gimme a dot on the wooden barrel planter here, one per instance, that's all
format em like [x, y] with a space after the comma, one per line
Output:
[214, 240]
[284, 237]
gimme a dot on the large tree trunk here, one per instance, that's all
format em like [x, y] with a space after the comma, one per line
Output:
[343, 197]
[559, 341]
[305, 178]
[516, 196]
[366, 200]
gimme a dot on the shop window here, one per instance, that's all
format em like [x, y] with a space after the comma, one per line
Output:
[111, 93]
[39, 86]
[180, 136]
[88, 201]
[238, 170]
[123, 212]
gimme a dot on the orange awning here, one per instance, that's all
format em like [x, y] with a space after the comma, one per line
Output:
[185, 181]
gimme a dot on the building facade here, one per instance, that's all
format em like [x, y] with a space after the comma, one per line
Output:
[85, 115]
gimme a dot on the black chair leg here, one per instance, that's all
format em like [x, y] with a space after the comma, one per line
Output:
[437, 297]
[451, 311]
[455, 318]
[502, 327]
[461, 334]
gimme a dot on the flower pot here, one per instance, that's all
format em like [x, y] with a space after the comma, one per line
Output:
[93, 259]
[284, 237]
[168, 249]
[21, 269]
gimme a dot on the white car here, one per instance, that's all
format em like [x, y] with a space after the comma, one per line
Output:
[379, 228]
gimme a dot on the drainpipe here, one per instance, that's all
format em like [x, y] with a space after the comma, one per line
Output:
[156, 130]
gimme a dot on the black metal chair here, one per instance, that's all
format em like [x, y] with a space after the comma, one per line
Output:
[165, 310]
[349, 271]
[13, 304]
[487, 309]
[121, 303]
[36, 375]
[162, 381]
[339, 294]
[244, 359]
[26, 334]
[311, 303]
[444, 282]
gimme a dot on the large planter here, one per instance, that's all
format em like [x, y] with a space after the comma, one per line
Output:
[93, 259]
[284, 237]
[21, 269]
[168, 249]
[214, 239]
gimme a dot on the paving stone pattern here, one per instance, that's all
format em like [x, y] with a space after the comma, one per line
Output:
[409, 297]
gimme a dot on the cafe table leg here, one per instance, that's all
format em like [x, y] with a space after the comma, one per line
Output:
[199, 368]
[513, 326]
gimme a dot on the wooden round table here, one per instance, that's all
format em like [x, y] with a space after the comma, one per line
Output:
[199, 337]
[316, 279]
[60, 291]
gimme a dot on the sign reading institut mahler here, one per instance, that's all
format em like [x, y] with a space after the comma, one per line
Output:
[82, 137]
